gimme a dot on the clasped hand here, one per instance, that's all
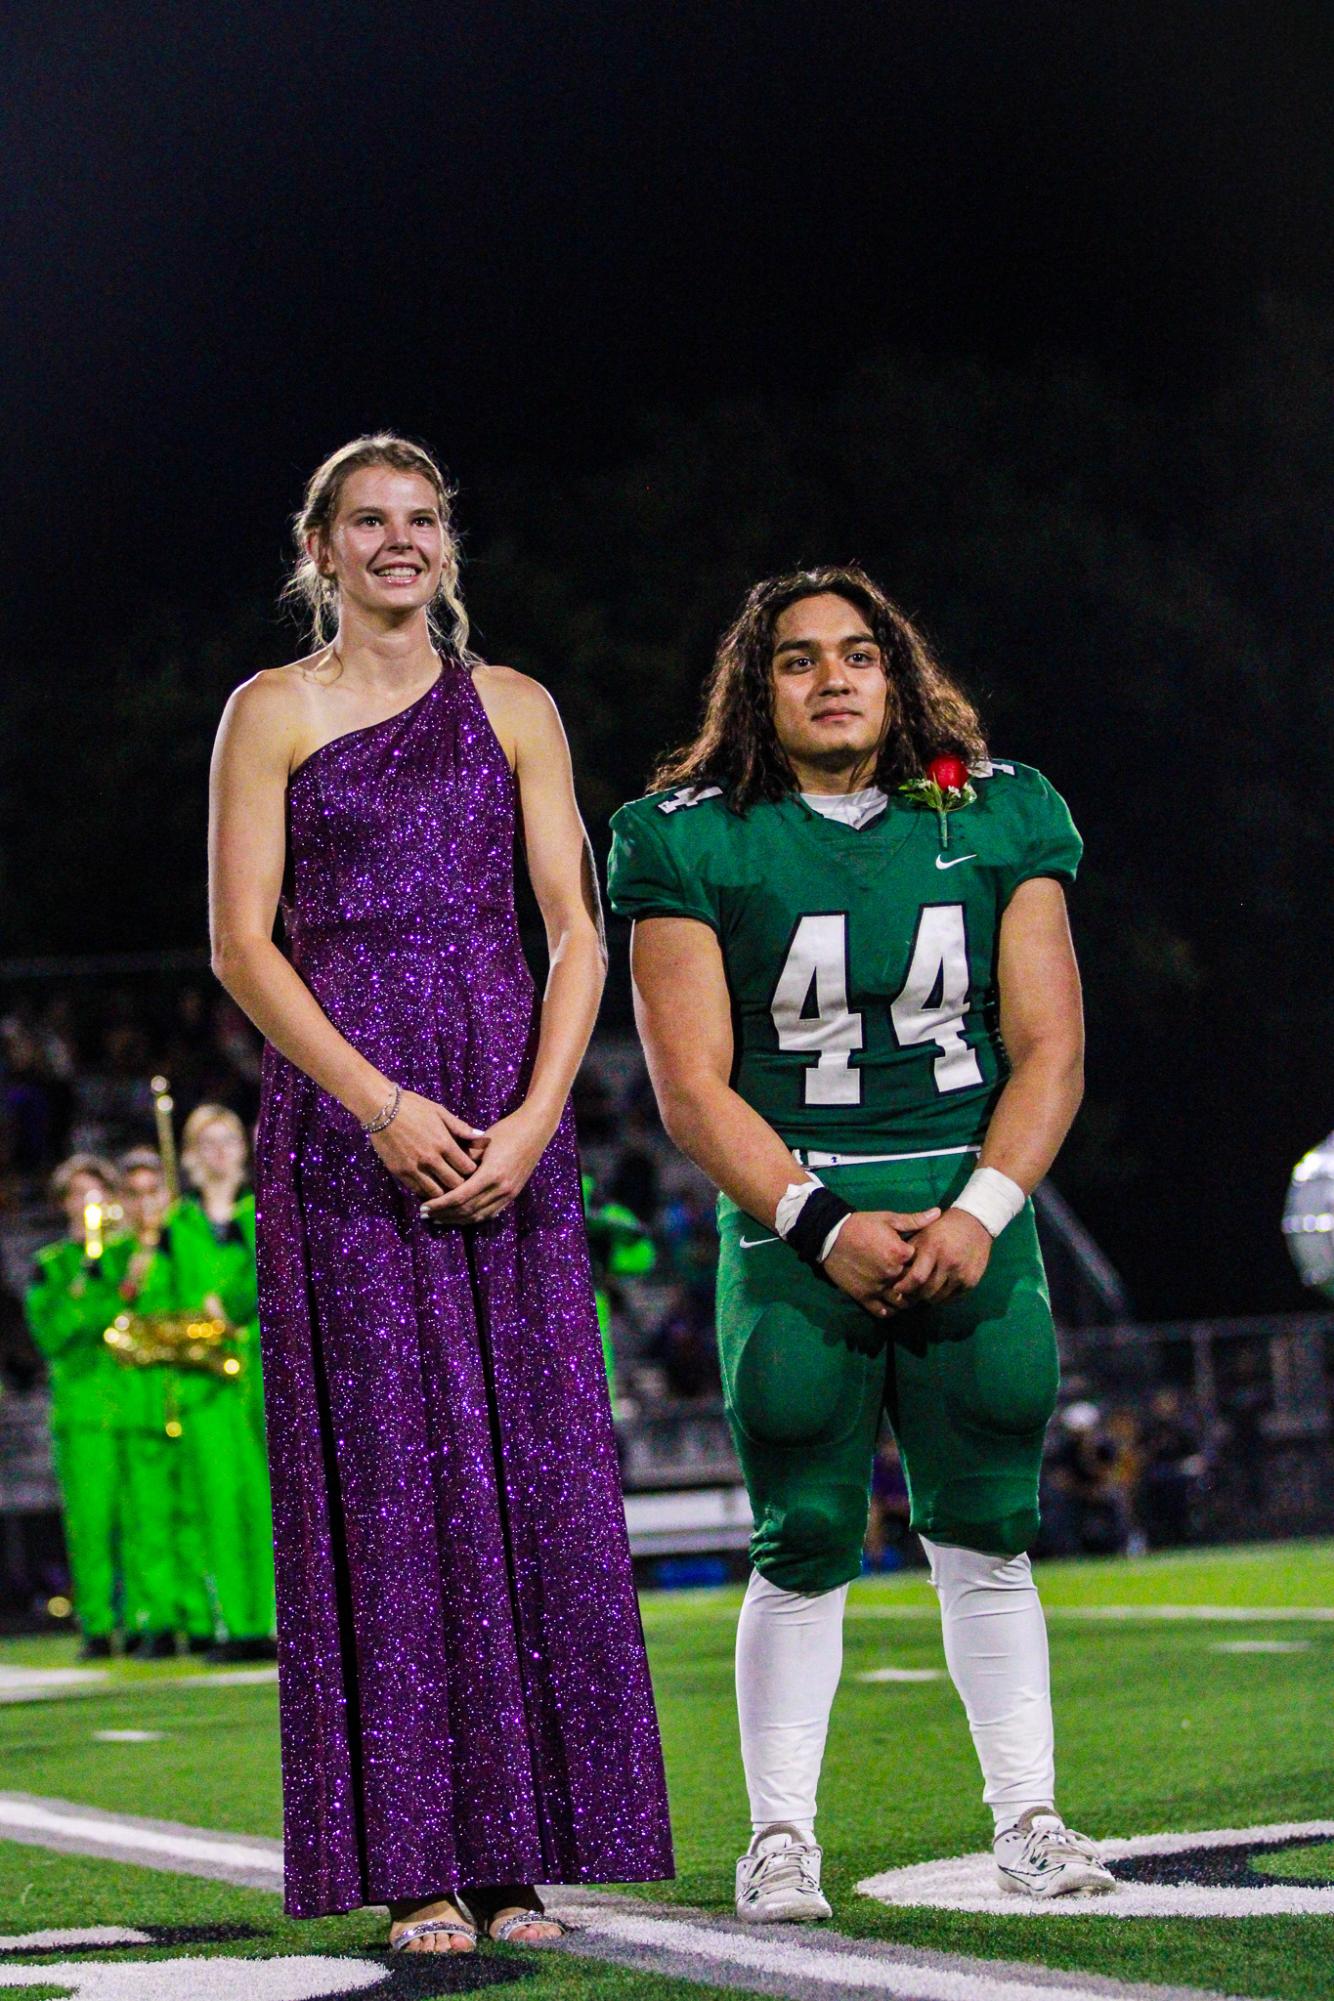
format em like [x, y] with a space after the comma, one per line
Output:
[462, 1174]
[888, 1262]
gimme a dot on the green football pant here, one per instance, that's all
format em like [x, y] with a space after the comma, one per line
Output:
[227, 1481]
[147, 1552]
[968, 1387]
[86, 1464]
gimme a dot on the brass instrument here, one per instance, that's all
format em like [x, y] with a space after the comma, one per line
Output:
[198, 1341]
[97, 1215]
[175, 1341]
[163, 1105]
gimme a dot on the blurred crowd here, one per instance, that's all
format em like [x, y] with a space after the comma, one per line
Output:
[1115, 1482]
[76, 1058]
[75, 1064]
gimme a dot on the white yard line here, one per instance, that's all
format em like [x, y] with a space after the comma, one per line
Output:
[802, 1962]
[1320, 1615]
[190, 1851]
[799, 1964]
[29, 1684]
[66, 1684]
[67, 1941]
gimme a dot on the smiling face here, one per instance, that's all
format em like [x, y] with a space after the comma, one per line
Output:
[830, 693]
[385, 545]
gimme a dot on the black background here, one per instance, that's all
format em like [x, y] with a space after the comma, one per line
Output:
[1027, 304]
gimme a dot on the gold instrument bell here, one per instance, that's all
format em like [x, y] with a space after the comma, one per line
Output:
[174, 1340]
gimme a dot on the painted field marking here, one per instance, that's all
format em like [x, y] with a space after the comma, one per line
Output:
[68, 1941]
[127, 1736]
[901, 1674]
[28, 1684]
[286, 1979]
[1243, 1615]
[63, 1684]
[1260, 1646]
[623, 1931]
[247, 1860]
[803, 1962]
[968, 1882]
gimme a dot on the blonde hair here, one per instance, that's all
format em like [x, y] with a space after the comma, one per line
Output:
[211, 1115]
[318, 594]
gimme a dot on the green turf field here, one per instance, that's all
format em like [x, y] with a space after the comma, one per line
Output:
[1157, 1728]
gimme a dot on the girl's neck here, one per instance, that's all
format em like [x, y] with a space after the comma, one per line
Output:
[383, 658]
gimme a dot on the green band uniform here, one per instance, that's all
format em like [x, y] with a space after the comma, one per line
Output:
[225, 1470]
[69, 1303]
[860, 964]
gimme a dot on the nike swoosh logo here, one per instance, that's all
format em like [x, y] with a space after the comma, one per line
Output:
[942, 863]
[751, 1243]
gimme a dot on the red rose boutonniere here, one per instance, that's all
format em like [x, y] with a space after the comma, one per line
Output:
[944, 789]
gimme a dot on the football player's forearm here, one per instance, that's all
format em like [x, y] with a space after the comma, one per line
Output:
[1034, 1113]
[729, 1141]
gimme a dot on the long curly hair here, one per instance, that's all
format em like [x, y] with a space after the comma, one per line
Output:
[927, 714]
[317, 595]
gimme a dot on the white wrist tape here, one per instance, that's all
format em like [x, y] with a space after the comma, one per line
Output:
[992, 1197]
[829, 1242]
[792, 1201]
[790, 1205]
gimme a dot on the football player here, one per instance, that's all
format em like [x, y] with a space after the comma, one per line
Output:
[859, 1003]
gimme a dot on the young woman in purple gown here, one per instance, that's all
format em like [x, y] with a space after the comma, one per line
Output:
[465, 1702]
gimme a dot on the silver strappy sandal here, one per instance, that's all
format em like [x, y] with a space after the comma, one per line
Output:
[452, 1927]
[485, 1906]
[504, 1933]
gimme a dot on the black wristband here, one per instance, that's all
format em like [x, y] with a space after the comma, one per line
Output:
[819, 1213]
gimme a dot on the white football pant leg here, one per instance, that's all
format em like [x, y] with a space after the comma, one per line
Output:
[789, 1654]
[996, 1651]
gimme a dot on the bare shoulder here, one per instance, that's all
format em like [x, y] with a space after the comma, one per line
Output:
[268, 715]
[520, 709]
[507, 690]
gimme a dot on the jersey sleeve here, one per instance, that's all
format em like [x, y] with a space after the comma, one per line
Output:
[1050, 843]
[647, 877]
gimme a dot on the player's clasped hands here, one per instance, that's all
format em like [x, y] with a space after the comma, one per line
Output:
[873, 1249]
[888, 1262]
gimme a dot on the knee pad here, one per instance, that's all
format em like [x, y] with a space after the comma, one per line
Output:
[1012, 1393]
[813, 1542]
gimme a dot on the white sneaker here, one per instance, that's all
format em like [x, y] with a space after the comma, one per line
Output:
[1041, 1857]
[778, 1879]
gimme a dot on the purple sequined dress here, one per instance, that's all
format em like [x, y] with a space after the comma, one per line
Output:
[464, 1693]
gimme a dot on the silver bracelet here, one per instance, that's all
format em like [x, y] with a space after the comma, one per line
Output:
[386, 1115]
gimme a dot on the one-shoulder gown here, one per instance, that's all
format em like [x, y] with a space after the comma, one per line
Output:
[463, 1687]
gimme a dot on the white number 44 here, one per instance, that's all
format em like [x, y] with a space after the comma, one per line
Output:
[930, 1006]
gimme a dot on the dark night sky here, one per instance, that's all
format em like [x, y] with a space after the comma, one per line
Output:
[243, 233]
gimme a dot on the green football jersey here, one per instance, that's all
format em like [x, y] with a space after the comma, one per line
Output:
[861, 962]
